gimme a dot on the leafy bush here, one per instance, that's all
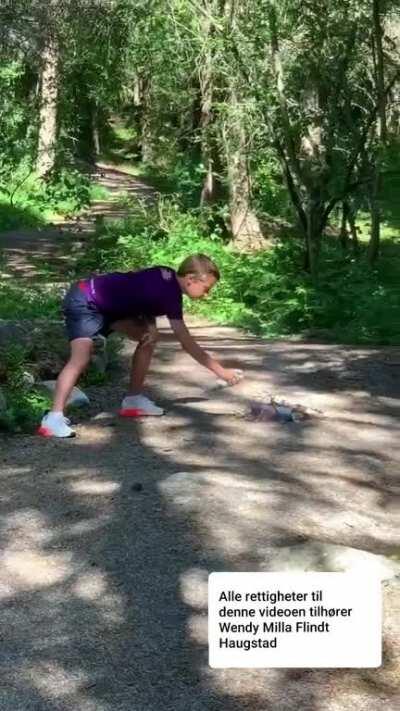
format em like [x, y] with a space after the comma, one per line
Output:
[25, 302]
[25, 404]
[28, 201]
[68, 191]
[16, 135]
[267, 292]
[270, 193]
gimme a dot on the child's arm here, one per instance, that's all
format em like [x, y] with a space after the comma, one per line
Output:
[201, 356]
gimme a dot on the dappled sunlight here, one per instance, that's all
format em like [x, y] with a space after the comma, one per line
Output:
[197, 629]
[134, 517]
[57, 683]
[26, 527]
[74, 530]
[94, 488]
[90, 586]
[31, 570]
[193, 585]
[98, 435]
[95, 588]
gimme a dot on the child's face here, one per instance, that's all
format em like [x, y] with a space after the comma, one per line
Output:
[197, 287]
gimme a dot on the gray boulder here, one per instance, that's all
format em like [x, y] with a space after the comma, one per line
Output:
[76, 398]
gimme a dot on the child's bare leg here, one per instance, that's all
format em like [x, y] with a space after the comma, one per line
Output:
[140, 365]
[81, 349]
[146, 335]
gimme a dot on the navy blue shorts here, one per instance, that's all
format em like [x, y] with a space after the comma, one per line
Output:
[84, 320]
[82, 317]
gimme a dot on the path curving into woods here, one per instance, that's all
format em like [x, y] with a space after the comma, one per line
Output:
[24, 251]
[108, 539]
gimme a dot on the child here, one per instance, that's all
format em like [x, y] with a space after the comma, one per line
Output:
[129, 303]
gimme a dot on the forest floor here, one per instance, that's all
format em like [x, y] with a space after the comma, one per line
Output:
[109, 538]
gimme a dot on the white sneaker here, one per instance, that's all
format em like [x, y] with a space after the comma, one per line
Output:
[54, 424]
[139, 406]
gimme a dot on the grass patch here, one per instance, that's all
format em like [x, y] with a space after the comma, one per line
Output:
[35, 202]
[20, 301]
[14, 216]
[98, 192]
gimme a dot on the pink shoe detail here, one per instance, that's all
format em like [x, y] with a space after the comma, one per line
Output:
[44, 431]
[132, 412]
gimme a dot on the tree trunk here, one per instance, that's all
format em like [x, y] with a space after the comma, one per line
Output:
[95, 131]
[374, 242]
[47, 140]
[146, 141]
[244, 224]
[379, 69]
[353, 232]
[316, 223]
[137, 90]
[344, 237]
[210, 190]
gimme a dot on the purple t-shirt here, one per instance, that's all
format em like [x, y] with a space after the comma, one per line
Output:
[149, 292]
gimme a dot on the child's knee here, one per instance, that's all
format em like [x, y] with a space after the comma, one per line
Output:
[149, 336]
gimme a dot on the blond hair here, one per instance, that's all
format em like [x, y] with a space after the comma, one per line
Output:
[199, 265]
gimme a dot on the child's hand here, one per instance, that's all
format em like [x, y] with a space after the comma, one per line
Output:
[232, 376]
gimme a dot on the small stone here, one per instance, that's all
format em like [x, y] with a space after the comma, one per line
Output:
[77, 396]
[28, 379]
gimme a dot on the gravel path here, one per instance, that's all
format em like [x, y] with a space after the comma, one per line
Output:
[108, 539]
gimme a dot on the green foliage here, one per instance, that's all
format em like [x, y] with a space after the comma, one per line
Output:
[16, 136]
[20, 215]
[25, 404]
[68, 191]
[30, 202]
[98, 192]
[270, 194]
[94, 377]
[266, 292]
[24, 410]
[20, 301]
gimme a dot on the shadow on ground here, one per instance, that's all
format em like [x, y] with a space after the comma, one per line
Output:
[104, 583]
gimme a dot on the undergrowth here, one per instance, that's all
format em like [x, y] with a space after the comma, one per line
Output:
[266, 292]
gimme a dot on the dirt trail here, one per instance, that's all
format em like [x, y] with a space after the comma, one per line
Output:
[104, 582]
[25, 251]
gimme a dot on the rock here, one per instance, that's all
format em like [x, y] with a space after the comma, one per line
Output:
[330, 558]
[76, 398]
[28, 379]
